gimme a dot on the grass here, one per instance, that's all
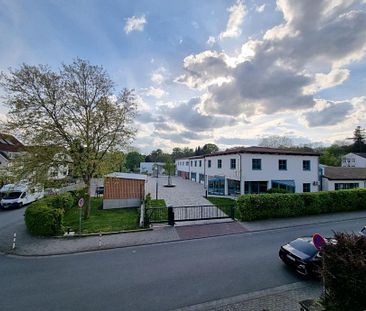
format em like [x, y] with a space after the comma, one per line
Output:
[160, 213]
[103, 220]
[225, 204]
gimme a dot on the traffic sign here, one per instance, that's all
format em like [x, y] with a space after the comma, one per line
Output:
[318, 241]
[81, 203]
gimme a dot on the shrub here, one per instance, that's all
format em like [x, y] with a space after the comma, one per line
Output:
[81, 193]
[344, 273]
[65, 201]
[277, 190]
[254, 206]
[42, 219]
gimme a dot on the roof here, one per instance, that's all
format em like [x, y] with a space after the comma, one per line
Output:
[344, 173]
[10, 143]
[361, 154]
[259, 150]
[126, 176]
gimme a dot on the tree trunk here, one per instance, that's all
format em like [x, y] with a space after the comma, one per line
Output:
[169, 180]
[87, 206]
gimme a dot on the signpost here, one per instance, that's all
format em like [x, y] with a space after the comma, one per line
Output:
[80, 205]
[318, 241]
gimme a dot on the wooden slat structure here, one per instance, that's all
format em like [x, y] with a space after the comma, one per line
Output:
[120, 188]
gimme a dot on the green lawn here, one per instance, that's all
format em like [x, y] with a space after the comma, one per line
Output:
[157, 212]
[103, 220]
[224, 204]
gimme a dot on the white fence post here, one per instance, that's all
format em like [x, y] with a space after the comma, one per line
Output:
[14, 240]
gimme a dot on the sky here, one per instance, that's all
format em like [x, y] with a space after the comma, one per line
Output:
[209, 71]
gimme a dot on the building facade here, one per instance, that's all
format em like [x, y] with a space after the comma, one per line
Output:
[253, 170]
[340, 178]
[354, 160]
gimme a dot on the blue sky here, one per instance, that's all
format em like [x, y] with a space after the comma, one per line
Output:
[228, 72]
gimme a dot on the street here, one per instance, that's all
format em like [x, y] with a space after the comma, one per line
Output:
[155, 277]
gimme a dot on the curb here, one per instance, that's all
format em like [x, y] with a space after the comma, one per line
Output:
[97, 234]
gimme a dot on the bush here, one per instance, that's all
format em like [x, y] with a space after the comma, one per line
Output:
[263, 206]
[42, 219]
[65, 201]
[277, 190]
[344, 273]
[81, 193]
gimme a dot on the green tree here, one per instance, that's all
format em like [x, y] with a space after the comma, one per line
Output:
[169, 168]
[332, 155]
[358, 140]
[113, 162]
[72, 111]
[209, 148]
[133, 160]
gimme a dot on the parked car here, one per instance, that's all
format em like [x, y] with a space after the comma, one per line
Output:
[18, 195]
[99, 191]
[303, 256]
[363, 231]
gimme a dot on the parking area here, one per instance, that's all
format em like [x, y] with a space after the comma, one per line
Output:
[186, 192]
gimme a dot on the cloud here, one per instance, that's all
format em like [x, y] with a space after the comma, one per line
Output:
[135, 23]
[236, 18]
[159, 75]
[328, 113]
[260, 8]
[236, 141]
[188, 115]
[283, 70]
[154, 92]
[211, 40]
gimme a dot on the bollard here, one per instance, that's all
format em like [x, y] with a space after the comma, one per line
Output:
[14, 240]
[100, 239]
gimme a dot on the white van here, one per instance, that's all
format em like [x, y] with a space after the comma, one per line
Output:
[18, 195]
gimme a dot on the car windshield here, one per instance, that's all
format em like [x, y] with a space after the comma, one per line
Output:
[12, 195]
[305, 246]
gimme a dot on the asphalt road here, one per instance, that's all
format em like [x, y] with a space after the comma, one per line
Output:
[155, 277]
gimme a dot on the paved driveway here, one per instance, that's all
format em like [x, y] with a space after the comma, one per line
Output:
[186, 192]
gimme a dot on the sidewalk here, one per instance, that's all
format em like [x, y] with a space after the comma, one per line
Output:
[282, 298]
[28, 245]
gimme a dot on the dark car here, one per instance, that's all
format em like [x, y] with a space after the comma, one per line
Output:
[363, 231]
[99, 191]
[302, 255]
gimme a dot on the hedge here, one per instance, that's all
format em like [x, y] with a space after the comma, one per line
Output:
[42, 219]
[65, 201]
[344, 273]
[263, 206]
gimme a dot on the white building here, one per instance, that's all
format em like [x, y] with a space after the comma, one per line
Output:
[338, 178]
[253, 170]
[354, 160]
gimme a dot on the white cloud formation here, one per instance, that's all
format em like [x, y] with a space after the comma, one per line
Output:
[285, 68]
[260, 8]
[154, 92]
[159, 75]
[135, 23]
[211, 40]
[236, 18]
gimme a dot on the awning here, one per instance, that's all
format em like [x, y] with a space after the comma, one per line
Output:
[288, 183]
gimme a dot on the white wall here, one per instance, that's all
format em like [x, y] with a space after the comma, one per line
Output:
[196, 168]
[353, 160]
[329, 185]
[181, 165]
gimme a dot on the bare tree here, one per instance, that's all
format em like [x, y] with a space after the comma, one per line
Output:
[72, 111]
[276, 141]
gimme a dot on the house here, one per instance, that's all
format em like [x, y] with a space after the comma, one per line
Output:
[245, 170]
[354, 160]
[10, 148]
[151, 167]
[123, 190]
[338, 178]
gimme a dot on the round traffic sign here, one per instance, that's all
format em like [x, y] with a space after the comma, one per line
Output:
[318, 241]
[81, 203]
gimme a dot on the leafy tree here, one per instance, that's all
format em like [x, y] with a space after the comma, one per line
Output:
[275, 141]
[112, 162]
[133, 160]
[209, 148]
[72, 111]
[169, 168]
[332, 155]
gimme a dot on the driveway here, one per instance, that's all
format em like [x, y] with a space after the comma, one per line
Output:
[186, 192]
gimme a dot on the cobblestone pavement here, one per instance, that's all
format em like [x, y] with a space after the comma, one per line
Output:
[282, 298]
[186, 192]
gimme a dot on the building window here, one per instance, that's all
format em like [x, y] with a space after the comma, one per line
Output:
[219, 163]
[233, 164]
[191, 163]
[209, 163]
[255, 187]
[306, 165]
[306, 187]
[282, 165]
[233, 187]
[256, 164]
[216, 185]
[195, 163]
[187, 163]
[342, 186]
[200, 163]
